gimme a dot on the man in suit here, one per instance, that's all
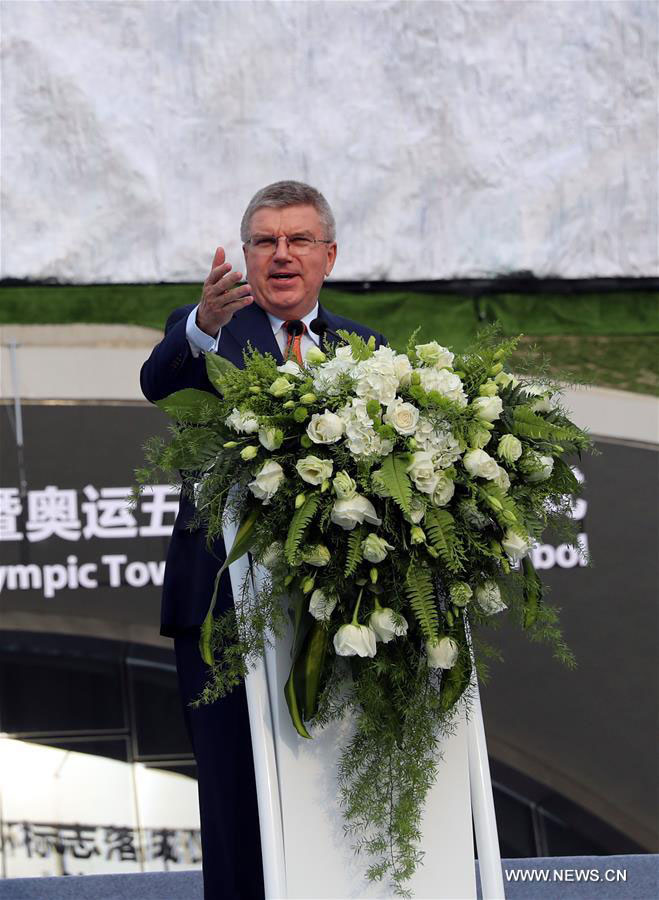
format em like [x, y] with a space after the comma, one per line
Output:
[289, 244]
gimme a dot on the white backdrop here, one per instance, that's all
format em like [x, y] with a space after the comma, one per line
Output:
[453, 139]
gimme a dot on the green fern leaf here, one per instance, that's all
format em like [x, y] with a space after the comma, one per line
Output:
[440, 527]
[299, 522]
[531, 425]
[420, 592]
[393, 474]
[355, 553]
[359, 347]
[191, 447]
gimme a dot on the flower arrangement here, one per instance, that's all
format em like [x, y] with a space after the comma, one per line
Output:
[407, 490]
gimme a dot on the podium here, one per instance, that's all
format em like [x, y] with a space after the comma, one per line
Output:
[306, 854]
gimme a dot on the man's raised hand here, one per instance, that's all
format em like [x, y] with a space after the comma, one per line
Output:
[220, 298]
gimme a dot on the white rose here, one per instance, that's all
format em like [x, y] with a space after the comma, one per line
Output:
[266, 483]
[443, 492]
[487, 408]
[325, 428]
[353, 511]
[480, 464]
[344, 486]
[290, 367]
[442, 653]
[444, 382]
[318, 555]
[502, 479]
[510, 448]
[488, 597]
[402, 416]
[355, 640]
[320, 606]
[271, 437]
[272, 554]
[243, 422]
[546, 464]
[375, 548]
[422, 471]
[314, 470]
[433, 354]
[385, 626]
[516, 546]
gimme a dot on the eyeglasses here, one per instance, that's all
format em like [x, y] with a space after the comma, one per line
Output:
[297, 244]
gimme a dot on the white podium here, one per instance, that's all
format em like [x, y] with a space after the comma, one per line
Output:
[305, 852]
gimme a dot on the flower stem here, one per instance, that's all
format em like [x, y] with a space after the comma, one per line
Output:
[356, 612]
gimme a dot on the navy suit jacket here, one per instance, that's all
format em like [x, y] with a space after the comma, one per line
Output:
[191, 569]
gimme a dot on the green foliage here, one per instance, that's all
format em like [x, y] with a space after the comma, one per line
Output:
[390, 763]
[354, 553]
[394, 477]
[410, 348]
[440, 528]
[191, 406]
[190, 448]
[420, 590]
[532, 593]
[359, 347]
[455, 681]
[401, 705]
[240, 636]
[528, 424]
[217, 368]
[299, 522]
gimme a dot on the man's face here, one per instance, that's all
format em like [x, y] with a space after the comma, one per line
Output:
[284, 283]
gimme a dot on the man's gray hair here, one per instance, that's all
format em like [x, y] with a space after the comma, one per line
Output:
[289, 193]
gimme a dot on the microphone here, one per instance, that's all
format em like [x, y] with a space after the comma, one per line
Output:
[295, 327]
[321, 328]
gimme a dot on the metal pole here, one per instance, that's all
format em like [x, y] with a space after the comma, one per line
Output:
[482, 799]
[18, 413]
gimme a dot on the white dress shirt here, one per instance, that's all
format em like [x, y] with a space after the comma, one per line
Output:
[200, 342]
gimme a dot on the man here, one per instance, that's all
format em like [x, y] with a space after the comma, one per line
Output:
[289, 243]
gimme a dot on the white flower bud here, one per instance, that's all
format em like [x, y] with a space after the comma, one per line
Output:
[386, 626]
[375, 548]
[442, 653]
[355, 640]
[317, 555]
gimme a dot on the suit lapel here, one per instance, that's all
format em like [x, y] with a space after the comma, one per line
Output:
[252, 325]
